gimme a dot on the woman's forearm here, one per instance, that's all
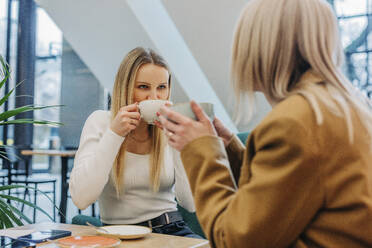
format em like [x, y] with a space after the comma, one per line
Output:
[93, 162]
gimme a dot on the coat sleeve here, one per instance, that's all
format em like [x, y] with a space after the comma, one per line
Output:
[279, 190]
[94, 159]
[235, 152]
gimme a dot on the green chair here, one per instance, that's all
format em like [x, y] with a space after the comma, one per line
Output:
[192, 221]
[82, 220]
[190, 218]
[243, 136]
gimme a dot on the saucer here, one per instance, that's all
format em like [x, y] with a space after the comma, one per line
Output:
[124, 231]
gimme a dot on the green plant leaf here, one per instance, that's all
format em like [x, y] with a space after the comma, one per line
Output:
[10, 187]
[16, 186]
[3, 156]
[7, 209]
[10, 113]
[5, 218]
[20, 214]
[3, 81]
[24, 121]
[4, 70]
[5, 98]
[9, 197]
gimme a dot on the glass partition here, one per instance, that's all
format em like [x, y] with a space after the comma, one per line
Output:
[355, 20]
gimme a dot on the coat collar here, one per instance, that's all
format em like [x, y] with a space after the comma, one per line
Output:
[310, 77]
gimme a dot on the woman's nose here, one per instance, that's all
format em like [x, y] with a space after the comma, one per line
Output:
[153, 95]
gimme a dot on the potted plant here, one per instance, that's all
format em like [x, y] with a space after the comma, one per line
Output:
[10, 215]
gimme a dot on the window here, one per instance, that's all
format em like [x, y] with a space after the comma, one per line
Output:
[47, 83]
[3, 22]
[12, 53]
[355, 22]
[47, 75]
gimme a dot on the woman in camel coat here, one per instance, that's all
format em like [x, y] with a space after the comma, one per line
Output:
[304, 177]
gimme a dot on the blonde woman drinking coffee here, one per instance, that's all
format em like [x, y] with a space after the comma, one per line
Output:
[125, 163]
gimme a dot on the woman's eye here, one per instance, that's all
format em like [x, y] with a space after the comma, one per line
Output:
[162, 86]
[142, 86]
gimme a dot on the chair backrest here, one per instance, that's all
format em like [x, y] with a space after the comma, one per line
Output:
[243, 136]
[69, 148]
[16, 161]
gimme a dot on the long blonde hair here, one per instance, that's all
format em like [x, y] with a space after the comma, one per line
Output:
[276, 42]
[122, 96]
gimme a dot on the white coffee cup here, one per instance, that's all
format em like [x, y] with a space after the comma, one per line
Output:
[149, 108]
[185, 109]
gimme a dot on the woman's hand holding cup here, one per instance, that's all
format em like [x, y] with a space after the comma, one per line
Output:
[126, 120]
[181, 130]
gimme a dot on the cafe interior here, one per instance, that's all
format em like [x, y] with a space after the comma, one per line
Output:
[65, 54]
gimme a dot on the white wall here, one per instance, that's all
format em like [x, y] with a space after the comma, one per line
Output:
[102, 32]
[208, 26]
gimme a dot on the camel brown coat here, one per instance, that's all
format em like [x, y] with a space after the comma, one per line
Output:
[300, 184]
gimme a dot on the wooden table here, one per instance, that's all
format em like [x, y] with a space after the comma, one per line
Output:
[153, 240]
[65, 156]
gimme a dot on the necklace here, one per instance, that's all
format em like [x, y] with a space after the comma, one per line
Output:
[138, 140]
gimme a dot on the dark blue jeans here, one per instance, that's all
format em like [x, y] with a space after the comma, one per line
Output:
[178, 228]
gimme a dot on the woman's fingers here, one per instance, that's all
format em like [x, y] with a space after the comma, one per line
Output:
[129, 121]
[168, 125]
[134, 121]
[126, 120]
[181, 130]
[133, 115]
[130, 108]
[174, 140]
[198, 111]
[129, 112]
[173, 143]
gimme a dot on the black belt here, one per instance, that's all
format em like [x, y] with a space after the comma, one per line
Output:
[162, 220]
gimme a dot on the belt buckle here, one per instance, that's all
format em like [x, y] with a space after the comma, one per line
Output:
[167, 221]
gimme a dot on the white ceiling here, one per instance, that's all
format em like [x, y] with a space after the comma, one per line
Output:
[102, 32]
